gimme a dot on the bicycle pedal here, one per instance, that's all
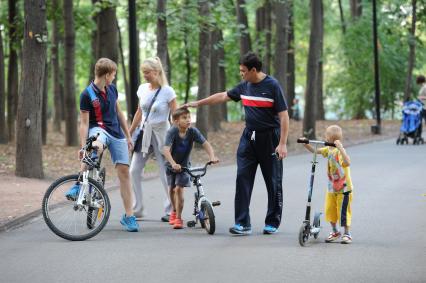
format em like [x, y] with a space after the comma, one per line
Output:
[216, 203]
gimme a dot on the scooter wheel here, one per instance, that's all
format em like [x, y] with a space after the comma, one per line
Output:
[317, 223]
[304, 234]
[190, 224]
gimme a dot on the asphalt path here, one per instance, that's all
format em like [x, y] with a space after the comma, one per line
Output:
[388, 229]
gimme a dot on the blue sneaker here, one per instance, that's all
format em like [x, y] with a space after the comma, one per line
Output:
[129, 223]
[270, 229]
[238, 229]
[72, 193]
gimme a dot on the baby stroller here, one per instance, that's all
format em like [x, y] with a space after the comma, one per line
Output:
[411, 123]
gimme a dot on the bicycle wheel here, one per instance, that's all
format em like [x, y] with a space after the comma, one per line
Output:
[92, 214]
[207, 219]
[69, 221]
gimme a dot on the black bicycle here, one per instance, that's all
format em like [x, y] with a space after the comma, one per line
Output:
[85, 215]
[203, 207]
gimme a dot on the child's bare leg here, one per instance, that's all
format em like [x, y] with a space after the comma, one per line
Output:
[347, 228]
[334, 226]
[179, 201]
[172, 198]
[125, 188]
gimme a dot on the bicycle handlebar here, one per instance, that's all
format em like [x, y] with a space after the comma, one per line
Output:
[306, 141]
[89, 141]
[191, 170]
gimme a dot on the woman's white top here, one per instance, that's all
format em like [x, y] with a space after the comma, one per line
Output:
[160, 109]
[157, 123]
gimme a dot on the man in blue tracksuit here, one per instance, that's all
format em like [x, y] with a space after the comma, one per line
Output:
[263, 141]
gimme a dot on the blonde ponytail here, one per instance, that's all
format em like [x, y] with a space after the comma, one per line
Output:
[155, 64]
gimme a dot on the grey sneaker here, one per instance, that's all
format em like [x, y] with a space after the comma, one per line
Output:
[140, 215]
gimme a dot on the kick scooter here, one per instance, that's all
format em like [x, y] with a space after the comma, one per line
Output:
[307, 229]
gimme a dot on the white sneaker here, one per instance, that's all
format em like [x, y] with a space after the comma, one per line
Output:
[346, 239]
[333, 236]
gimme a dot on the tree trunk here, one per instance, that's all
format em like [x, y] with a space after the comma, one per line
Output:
[12, 71]
[188, 66]
[320, 83]
[28, 147]
[312, 71]
[342, 17]
[162, 38]
[107, 40]
[44, 105]
[133, 57]
[412, 54]
[215, 116]
[126, 82]
[291, 66]
[264, 34]
[268, 38]
[93, 45]
[204, 66]
[245, 42]
[260, 30]
[281, 44]
[222, 74]
[3, 130]
[71, 137]
[54, 59]
[356, 8]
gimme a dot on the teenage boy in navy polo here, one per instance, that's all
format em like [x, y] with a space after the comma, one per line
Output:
[263, 141]
[100, 113]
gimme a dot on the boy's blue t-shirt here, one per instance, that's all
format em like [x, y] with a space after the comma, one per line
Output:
[180, 148]
[262, 102]
[103, 110]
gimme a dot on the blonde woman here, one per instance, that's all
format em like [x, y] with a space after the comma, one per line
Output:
[155, 128]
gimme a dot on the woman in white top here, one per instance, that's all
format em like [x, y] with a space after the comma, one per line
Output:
[155, 129]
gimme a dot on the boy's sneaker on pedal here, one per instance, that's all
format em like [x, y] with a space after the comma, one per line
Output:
[172, 218]
[178, 224]
[72, 193]
[129, 223]
[238, 229]
[270, 229]
[346, 239]
[333, 236]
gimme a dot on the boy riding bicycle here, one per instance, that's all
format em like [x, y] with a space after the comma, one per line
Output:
[177, 149]
[100, 114]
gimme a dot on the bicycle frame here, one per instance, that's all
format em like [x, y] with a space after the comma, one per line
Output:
[201, 197]
[92, 171]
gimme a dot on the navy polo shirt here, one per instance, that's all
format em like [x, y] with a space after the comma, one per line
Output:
[262, 102]
[103, 110]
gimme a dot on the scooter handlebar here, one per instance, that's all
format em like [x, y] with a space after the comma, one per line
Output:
[300, 140]
[306, 141]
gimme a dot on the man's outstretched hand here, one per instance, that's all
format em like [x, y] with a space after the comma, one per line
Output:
[191, 104]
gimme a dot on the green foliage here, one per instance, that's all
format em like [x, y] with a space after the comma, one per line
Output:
[347, 59]
[353, 80]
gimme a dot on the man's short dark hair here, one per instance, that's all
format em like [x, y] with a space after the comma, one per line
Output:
[179, 112]
[420, 79]
[250, 60]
